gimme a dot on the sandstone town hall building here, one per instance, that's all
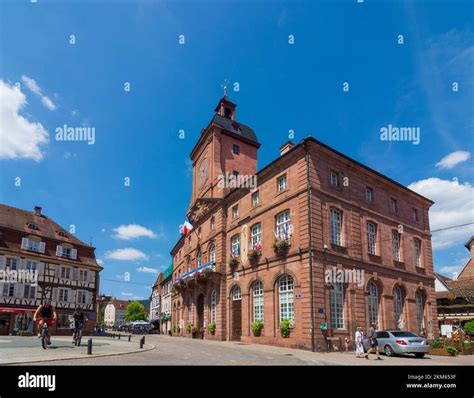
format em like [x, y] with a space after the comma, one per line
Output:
[260, 253]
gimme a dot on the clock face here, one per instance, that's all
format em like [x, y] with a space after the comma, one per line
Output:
[202, 173]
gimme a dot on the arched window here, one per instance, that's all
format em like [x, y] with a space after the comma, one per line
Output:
[398, 307]
[199, 258]
[258, 305]
[373, 301]
[420, 311]
[286, 299]
[212, 253]
[256, 237]
[213, 305]
[337, 306]
[236, 293]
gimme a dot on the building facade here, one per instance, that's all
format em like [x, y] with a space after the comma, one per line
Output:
[165, 298]
[114, 313]
[155, 300]
[274, 250]
[455, 298]
[66, 269]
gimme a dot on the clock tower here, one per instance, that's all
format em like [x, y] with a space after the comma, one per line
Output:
[225, 147]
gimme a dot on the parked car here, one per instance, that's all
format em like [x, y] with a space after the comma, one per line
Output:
[393, 342]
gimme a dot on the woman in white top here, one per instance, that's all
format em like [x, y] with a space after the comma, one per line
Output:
[359, 337]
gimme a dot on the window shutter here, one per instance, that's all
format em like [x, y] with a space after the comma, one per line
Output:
[89, 297]
[59, 250]
[91, 276]
[74, 254]
[42, 247]
[21, 263]
[5, 289]
[2, 262]
[57, 271]
[72, 296]
[40, 268]
[55, 295]
[75, 274]
[19, 290]
[24, 243]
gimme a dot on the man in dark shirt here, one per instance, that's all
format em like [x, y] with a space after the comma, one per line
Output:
[79, 320]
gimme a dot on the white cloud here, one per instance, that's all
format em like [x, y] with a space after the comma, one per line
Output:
[147, 270]
[33, 86]
[453, 159]
[132, 296]
[453, 206]
[133, 231]
[100, 262]
[127, 254]
[19, 137]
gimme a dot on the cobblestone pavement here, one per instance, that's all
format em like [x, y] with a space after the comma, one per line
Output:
[184, 351]
[23, 350]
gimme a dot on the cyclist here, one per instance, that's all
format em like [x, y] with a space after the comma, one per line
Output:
[45, 313]
[79, 320]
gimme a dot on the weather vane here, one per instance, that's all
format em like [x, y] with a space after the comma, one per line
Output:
[225, 87]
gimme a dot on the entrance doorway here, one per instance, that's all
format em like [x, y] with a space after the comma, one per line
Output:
[4, 324]
[236, 298]
[200, 311]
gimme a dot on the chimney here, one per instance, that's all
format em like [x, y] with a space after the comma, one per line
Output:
[37, 210]
[286, 147]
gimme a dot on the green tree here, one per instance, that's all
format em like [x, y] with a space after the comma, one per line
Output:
[469, 327]
[135, 312]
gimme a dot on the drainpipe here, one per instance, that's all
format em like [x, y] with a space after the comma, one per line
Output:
[310, 249]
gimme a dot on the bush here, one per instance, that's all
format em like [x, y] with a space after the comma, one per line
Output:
[212, 327]
[285, 328]
[469, 327]
[188, 327]
[452, 350]
[257, 327]
[437, 344]
[467, 346]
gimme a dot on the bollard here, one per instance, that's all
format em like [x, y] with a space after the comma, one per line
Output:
[89, 347]
[142, 341]
[119, 336]
[129, 337]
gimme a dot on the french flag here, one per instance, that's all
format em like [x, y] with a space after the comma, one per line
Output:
[186, 227]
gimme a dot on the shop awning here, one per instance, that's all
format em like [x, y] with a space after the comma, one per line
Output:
[16, 310]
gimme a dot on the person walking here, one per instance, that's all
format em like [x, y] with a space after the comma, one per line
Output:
[359, 338]
[374, 345]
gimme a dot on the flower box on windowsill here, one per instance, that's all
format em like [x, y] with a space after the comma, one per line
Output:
[255, 253]
[281, 247]
[233, 263]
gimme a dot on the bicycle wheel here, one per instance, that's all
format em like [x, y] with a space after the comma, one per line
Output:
[78, 338]
[44, 339]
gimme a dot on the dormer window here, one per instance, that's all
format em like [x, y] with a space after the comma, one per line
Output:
[32, 225]
[62, 234]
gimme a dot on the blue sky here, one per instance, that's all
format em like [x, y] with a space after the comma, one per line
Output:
[176, 86]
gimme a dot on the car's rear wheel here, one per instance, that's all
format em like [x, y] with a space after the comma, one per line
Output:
[388, 351]
[419, 354]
